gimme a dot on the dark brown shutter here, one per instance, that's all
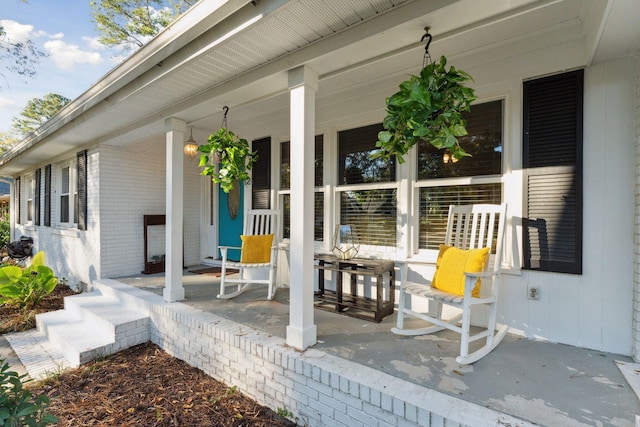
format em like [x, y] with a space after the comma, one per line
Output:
[17, 201]
[82, 190]
[47, 196]
[552, 161]
[36, 197]
[261, 175]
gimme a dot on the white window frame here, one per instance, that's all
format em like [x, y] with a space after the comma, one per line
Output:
[280, 194]
[30, 191]
[72, 193]
[417, 185]
[365, 250]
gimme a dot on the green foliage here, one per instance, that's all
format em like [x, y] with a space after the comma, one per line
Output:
[427, 107]
[131, 23]
[8, 140]
[19, 58]
[25, 288]
[233, 154]
[18, 406]
[37, 112]
[5, 231]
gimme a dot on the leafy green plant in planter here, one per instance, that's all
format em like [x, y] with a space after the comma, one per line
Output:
[427, 107]
[232, 153]
[25, 288]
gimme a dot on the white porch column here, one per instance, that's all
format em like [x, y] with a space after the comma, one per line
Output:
[303, 84]
[175, 130]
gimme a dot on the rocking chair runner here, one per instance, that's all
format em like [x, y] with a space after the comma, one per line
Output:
[258, 252]
[464, 277]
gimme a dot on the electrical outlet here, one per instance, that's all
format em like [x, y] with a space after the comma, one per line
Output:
[533, 292]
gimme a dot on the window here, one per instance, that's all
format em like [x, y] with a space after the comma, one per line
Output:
[552, 162]
[367, 189]
[30, 192]
[285, 186]
[443, 180]
[68, 195]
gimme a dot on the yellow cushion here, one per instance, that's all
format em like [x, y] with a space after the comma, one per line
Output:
[453, 263]
[256, 249]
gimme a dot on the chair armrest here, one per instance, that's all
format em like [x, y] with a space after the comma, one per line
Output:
[481, 274]
[229, 247]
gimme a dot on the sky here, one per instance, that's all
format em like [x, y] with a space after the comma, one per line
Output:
[64, 30]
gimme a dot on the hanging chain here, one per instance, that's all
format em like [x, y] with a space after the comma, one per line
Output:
[427, 57]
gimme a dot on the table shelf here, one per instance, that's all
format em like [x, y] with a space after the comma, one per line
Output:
[350, 303]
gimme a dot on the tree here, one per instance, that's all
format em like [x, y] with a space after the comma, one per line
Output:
[129, 24]
[7, 140]
[18, 58]
[37, 112]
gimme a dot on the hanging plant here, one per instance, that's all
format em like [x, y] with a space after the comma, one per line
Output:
[234, 156]
[427, 107]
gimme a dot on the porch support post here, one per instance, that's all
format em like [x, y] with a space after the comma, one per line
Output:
[175, 130]
[303, 84]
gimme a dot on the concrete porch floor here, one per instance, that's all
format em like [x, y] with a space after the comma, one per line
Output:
[543, 383]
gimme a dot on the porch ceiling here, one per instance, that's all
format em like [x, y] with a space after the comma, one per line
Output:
[235, 53]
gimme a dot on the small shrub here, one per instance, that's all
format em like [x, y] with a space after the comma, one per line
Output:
[25, 288]
[18, 406]
[5, 231]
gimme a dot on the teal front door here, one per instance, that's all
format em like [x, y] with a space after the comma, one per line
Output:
[230, 228]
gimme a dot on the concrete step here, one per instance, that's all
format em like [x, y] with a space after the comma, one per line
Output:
[119, 321]
[92, 325]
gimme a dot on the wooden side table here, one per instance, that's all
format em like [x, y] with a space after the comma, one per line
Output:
[350, 303]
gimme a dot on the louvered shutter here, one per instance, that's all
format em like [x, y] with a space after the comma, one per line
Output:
[36, 197]
[552, 161]
[17, 201]
[82, 189]
[261, 175]
[47, 196]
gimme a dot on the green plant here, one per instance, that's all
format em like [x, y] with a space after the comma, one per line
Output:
[284, 413]
[232, 153]
[427, 107]
[25, 288]
[18, 406]
[5, 231]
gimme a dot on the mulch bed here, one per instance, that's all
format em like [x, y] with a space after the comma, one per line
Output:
[144, 386]
[140, 386]
[14, 320]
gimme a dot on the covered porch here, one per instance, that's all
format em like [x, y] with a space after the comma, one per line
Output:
[538, 382]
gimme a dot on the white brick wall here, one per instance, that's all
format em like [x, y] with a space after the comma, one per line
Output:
[317, 388]
[72, 254]
[132, 185]
[123, 185]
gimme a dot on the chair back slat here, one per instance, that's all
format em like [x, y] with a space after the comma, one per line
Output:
[477, 226]
[261, 221]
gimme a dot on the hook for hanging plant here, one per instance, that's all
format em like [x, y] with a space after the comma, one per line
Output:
[427, 56]
[224, 119]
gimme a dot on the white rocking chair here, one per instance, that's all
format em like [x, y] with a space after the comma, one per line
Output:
[469, 227]
[258, 252]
